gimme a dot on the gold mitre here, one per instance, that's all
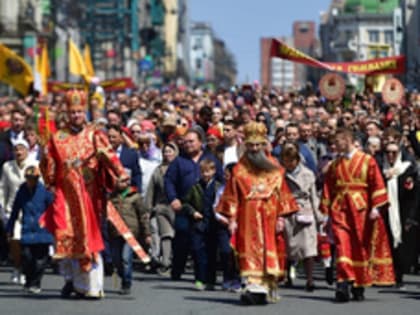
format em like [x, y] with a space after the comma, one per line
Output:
[76, 99]
[255, 132]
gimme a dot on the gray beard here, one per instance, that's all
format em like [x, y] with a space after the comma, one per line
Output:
[261, 161]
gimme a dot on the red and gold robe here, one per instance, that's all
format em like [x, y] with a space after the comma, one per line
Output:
[79, 166]
[255, 199]
[352, 188]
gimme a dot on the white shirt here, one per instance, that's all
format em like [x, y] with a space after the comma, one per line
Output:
[147, 168]
[16, 136]
[349, 155]
[119, 151]
[230, 155]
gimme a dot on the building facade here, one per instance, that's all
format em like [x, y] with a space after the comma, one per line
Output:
[201, 53]
[25, 24]
[305, 40]
[359, 30]
[224, 65]
[410, 27]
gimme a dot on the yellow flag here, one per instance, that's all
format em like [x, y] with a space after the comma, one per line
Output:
[15, 71]
[42, 66]
[88, 61]
[76, 64]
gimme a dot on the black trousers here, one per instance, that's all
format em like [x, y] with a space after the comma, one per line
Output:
[34, 262]
[181, 244]
[4, 246]
[204, 247]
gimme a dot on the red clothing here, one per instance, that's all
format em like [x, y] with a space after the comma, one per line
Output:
[45, 131]
[255, 198]
[352, 188]
[4, 125]
[79, 166]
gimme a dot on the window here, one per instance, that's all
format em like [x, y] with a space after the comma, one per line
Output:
[198, 63]
[198, 43]
[373, 36]
[389, 37]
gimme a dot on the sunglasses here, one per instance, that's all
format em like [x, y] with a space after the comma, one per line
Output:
[391, 152]
[33, 177]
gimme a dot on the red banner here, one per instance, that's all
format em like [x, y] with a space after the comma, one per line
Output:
[119, 84]
[388, 65]
[62, 87]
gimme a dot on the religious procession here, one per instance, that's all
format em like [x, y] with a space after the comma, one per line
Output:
[235, 188]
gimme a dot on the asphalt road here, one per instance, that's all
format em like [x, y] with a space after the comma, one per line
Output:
[153, 294]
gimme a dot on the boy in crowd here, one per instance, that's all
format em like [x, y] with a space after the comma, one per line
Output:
[130, 206]
[198, 204]
[32, 199]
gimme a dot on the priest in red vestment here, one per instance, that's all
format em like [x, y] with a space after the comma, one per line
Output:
[255, 200]
[353, 196]
[78, 165]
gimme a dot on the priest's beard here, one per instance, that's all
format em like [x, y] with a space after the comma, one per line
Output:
[261, 161]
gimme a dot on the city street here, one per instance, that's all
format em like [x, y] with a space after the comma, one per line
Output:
[153, 294]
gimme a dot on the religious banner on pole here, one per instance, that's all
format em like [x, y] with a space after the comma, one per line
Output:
[388, 65]
[119, 84]
[393, 91]
[115, 218]
[14, 71]
[332, 86]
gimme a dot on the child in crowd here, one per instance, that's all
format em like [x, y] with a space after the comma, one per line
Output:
[130, 206]
[32, 199]
[231, 281]
[199, 205]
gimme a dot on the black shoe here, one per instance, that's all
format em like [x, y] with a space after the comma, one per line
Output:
[309, 287]
[341, 296]
[108, 269]
[125, 291]
[358, 294]
[288, 283]
[175, 276]
[164, 271]
[248, 298]
[329, 275]
[67, 290]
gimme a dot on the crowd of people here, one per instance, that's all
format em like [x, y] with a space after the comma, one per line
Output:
[250, 180]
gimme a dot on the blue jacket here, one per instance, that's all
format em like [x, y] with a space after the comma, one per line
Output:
[183, 173]
[32, 204]
[130, 160]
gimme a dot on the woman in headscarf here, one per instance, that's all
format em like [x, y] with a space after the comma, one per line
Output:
[214, 139]
[401, 177]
